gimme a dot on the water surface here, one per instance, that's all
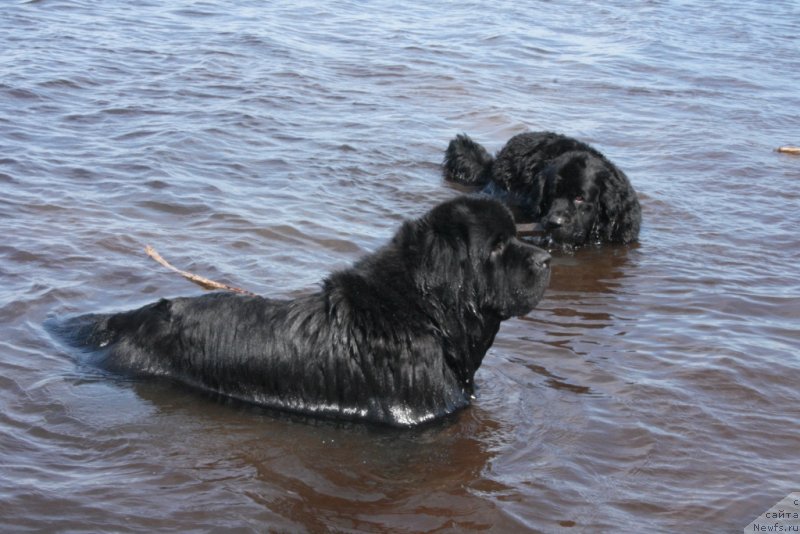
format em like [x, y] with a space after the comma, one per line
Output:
[656, 387]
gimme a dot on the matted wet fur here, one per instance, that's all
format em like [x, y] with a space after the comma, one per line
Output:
[575, 193]
[394, 339]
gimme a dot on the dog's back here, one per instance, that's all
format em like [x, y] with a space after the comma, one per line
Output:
[171, 336]
[315, 355]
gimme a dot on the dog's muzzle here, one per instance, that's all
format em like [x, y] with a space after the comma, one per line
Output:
[539, 260]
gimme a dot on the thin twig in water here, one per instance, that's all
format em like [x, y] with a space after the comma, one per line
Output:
[202, 281]
[794, 150]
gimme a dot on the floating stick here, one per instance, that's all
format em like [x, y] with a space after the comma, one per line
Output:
[794, 150]
[202, 281]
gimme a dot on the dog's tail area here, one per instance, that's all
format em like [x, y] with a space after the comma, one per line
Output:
[467, 162]
[88, 332]
[120, 342]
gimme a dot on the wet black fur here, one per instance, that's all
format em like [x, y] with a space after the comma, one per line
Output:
[576, 194]
[394, 339]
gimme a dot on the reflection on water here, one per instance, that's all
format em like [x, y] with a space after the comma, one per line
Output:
[655, 388]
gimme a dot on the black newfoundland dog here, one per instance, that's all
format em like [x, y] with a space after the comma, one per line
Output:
[394, 339]
[575, 194]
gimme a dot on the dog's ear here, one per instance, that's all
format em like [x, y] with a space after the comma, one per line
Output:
[630, 221]
[410, 238]
[619, 211]
[426, 240]
[434, 249]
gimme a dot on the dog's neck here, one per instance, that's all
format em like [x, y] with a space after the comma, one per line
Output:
[463, 330]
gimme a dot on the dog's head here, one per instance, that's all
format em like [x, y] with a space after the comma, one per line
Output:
[465, 253]
[585, 199]
[570, 199]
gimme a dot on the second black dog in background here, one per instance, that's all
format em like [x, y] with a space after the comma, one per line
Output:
[576, 194]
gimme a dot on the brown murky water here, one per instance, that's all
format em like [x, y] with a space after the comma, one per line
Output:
[655, 388]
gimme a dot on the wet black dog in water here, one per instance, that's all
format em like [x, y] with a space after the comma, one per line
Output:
[575, 193]
[394, 339]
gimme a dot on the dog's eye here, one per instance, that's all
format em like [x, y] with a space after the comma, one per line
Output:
[498, 247]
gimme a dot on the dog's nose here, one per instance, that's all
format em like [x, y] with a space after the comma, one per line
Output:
[540, 259]
[554, 222]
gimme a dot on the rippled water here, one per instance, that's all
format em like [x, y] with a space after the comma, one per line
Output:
[655, 388]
